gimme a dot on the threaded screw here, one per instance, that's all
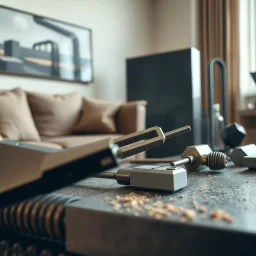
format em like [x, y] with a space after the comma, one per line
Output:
[215, 160]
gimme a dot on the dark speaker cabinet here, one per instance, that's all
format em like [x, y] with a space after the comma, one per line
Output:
[171, 84]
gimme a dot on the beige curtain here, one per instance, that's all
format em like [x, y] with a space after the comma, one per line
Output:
[218, 38]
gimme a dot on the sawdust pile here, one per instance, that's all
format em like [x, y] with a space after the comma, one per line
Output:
[145, 204]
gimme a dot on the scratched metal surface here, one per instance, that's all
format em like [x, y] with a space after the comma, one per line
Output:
[232, 189]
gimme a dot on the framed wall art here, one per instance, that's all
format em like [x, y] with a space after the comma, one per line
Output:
[32, 45]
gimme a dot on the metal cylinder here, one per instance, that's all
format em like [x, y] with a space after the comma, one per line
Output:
[105, 175]
[177, 132]
[186, 160]
[215, 160]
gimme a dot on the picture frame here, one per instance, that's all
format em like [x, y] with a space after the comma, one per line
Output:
[36, 46]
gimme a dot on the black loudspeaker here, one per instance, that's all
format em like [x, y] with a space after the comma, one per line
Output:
[171, 84]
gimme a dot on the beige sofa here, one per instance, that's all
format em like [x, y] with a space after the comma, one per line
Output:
[59, 120]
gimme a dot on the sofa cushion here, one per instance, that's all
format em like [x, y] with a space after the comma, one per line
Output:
[98, 116]
[16, 121]
[54, 114]
[77, 140]
[45, 144]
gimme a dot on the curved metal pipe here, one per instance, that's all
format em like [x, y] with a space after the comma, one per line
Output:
[223, 68]
[72, 36]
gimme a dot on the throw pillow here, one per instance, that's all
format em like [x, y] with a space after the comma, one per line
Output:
[98, 116]
[16, 121]
[54, 114]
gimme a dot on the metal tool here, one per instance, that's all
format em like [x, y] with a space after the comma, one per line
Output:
[38, 170]
[232, 134]
[223, 69]
[237, 154]
[250, 161]
[152, 177]
[195, 156]
[153, 161]
[137, 142]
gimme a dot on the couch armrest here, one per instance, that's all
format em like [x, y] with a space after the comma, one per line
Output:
[131, 117]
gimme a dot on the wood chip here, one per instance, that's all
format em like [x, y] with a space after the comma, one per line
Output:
[140, 203]
[189, 214]
[158, 212]
[181, 196]
[172, 208]
[221, 215]
[202, 189]
[202, 209]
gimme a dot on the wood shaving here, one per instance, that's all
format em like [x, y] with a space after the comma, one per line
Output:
[221, 215]
[154, 212]
[172, 208]
[189, 214]
[202, 209]
[137, 204]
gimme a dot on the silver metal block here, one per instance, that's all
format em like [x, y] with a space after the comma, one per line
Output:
[239, 153]
[250, 161]
[158, 177]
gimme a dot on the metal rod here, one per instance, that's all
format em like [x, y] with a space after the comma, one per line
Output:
[106, 175]
[177, 132]
[153, 161]
[186, 160]
[223, 69]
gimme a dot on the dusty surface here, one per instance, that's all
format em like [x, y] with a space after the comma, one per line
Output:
[231, 190]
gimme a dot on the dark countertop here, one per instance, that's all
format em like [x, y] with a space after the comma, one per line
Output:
[232, 190]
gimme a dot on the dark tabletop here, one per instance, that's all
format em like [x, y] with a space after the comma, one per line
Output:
[232, 190]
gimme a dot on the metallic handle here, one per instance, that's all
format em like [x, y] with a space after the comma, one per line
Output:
[137, 142]
[122, 176]
[186, 160]
[223, 68]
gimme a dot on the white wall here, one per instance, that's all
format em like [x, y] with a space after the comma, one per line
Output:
[121, 29]
[176, 24]
[247, 51]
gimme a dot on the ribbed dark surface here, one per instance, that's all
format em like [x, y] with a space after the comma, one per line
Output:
[216, 161]
[42, 216]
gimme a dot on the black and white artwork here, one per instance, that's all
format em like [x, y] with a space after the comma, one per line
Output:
[32, 45]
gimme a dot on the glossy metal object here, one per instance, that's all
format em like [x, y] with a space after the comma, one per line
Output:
[137, 142]
[223, 69]
[153, 177]
[195, 156]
